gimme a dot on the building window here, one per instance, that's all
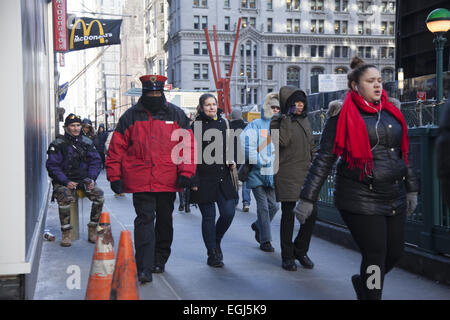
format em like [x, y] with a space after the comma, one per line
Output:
[288, 4]
[227, 23]
[387, 28]
[293, 77]
[248, 4]
[293, 5]
[388, 7]
[226, 3]
[197, 71]
[196, 48]
[341, 5]
[204, 48]
[387, 75]
[316, 5]
[341, 52]
[269, 24]
[289, 50]
[270, 50]
[252, 22]
[205, 68]
[317, 70]
[318, 51]
[297, 50]
[317, 26]
[204, 22]
[340, 27]
[269, 4]
[289, 25]
[269, 72]
[297, 25]
[364, 27]
[365, 52]
[227, 69]
[340, 70]
[387, 53]
[196, 22]
[244, 22]
[200, 3]
[364, 6]
[227, 47]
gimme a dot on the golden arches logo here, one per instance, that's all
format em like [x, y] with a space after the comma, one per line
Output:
[87, 31]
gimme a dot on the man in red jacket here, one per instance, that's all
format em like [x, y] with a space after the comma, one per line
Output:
[143, 159]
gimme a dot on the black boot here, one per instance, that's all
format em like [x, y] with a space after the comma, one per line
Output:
[187, 195]
[219, 251]
[358, 286]
[213, 259]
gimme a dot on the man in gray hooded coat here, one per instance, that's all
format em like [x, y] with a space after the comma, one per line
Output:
[296, 151]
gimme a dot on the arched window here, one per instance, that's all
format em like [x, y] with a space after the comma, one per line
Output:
[317, 70]
[340, 70]
[387, 75]
[293, 77]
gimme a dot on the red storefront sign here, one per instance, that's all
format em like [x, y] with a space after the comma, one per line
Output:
[60, 25]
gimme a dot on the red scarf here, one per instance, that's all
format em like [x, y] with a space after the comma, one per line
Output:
[352, 140]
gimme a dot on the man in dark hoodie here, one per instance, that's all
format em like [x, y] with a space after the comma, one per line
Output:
[73, 163]
[296, 151]
[141, 161]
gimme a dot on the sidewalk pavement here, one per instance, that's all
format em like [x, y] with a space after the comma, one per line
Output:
[249, 273]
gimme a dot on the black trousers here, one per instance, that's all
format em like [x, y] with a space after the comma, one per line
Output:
[300, 246]
[380, 240]
[152, 240]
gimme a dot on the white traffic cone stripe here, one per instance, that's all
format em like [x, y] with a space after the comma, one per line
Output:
[103, 268]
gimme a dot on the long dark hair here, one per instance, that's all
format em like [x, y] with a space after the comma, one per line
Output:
[358, 68]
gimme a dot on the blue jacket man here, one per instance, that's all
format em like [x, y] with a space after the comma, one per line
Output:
[73, 163]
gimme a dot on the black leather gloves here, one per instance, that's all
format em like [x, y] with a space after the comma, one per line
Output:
[116, 186]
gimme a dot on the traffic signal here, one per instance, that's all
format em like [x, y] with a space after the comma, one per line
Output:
[113, 103]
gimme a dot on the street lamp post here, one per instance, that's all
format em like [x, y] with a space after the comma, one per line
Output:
[438, 22]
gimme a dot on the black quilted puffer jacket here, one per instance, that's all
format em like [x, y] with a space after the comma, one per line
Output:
[381, 193]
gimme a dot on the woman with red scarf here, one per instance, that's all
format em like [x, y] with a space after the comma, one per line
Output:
[375, 187]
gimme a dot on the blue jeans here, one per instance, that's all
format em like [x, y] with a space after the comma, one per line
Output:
[213, 232]
[245, 194]
[266, 208]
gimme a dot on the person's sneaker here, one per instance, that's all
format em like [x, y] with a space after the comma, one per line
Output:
[187, 210]
[245, 208]
[255, 228]
[92, 234]
[305, 261]
[267, 247]
[145, 277]
[289, 265]
[66, 240]
[180, 207]
[213, 259]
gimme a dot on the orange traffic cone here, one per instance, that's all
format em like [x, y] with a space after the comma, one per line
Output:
[102, 268]
[124, 283]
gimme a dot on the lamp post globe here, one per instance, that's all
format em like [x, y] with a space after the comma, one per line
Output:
[438, 22]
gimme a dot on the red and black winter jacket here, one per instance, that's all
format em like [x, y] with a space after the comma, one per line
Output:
[147, 154]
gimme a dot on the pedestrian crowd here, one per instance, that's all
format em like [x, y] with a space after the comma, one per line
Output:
[156, 151]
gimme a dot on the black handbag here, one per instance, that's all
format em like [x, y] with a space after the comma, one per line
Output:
[243, 172]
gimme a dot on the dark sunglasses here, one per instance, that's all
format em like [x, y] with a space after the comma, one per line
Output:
[275, 107]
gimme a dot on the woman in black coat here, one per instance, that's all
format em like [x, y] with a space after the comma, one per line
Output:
[212, 182]
[375, 187]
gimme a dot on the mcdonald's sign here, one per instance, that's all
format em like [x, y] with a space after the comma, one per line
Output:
[60, 25]
[87, 33]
